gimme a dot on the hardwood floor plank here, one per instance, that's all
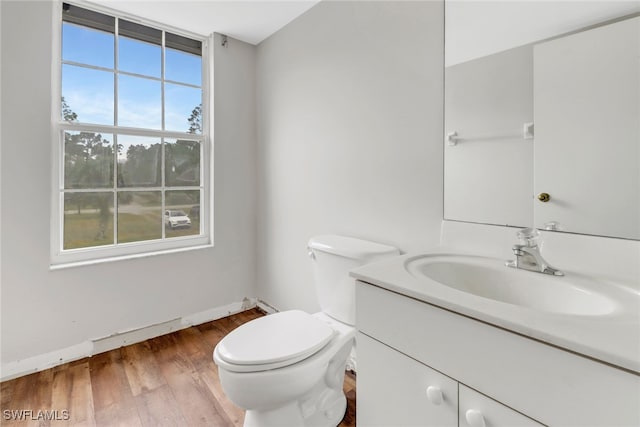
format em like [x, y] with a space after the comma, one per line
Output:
[233, 413]
[81, 410]
[61, 392]
[211, 334]
[226, 324]
[109, 383]
[190, 341]
[112, 397]
[207, 337]
[195, 400]
[141, 368]
[120, 415]
[6, 392]
[159, 408]
[22, 401]
[249, 315]
[199, 352]
[165, 381]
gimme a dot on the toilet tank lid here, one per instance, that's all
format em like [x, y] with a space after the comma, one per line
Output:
[350, 247]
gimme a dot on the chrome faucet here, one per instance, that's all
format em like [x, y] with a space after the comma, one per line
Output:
[528, 256]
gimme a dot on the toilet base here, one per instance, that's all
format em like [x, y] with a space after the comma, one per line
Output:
[325, 408]
[322, 406]
[275, 417]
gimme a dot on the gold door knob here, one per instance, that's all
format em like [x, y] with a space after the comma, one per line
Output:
[544, 197]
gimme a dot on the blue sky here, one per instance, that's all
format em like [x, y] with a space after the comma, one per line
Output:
[89, 92]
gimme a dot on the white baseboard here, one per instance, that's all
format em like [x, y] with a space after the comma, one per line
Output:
[120, 339]
[89, 348]
[267, 308]
[41, 362]
[218, 312]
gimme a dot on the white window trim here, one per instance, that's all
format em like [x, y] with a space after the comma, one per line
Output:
[99, 254]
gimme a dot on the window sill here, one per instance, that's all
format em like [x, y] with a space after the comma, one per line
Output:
[61, 265]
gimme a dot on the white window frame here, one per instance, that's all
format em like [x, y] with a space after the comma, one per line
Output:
[62, 258]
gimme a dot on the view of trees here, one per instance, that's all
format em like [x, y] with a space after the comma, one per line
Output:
[89, 164]
[195, 120]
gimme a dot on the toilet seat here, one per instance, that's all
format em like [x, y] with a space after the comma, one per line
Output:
[273, 341]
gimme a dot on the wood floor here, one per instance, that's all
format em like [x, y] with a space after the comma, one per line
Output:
[166, 381]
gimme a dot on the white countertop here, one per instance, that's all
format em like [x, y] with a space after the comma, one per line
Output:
[612, 338]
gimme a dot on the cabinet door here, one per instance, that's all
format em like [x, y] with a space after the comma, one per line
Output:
[395, 390]
[477, 410]
[587, 125]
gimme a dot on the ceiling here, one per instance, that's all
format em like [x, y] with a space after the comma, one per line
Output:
[476, 28]
[249, 21]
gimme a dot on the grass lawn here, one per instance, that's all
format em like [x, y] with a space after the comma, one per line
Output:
[84, 230]
[139, 227]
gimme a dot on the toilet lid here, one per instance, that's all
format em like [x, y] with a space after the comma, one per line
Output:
[288, 335]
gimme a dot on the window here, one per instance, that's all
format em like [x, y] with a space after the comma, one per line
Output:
[131, 140]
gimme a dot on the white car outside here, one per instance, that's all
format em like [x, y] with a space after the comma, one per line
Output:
[176, 219]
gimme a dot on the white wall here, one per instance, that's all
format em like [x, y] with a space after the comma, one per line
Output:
[350, 135]
[44, 311]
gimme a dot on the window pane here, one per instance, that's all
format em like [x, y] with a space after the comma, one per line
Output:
[87, 45]
[88, 160]
[139, 57]
[183, 67]
[182, 213]
[139, 216]
[182, 162]
[88, 220]
[139, 161]
[88, 93]
[183, 108]
[139, 102]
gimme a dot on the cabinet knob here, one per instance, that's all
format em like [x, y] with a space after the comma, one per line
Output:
[475, 418]
[544, 197]
[434, 394]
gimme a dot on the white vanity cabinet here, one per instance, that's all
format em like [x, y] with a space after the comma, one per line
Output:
[476, 410]
[395, 390]
[504, 379]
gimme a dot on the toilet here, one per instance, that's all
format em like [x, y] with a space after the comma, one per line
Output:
[287, 368]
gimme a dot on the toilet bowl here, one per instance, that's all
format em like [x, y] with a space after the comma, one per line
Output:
[287, 368]
[299, 391]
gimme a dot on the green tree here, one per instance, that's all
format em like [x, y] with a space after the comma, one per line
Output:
[88, 163]
[182, 162]
[142, 166]
[67, 113]
[195, 120]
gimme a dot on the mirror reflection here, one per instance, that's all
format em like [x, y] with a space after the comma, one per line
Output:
[542, 115]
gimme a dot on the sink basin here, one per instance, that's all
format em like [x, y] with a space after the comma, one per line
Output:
[490, 278]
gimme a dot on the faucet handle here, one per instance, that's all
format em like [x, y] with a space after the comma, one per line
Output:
[529, 237]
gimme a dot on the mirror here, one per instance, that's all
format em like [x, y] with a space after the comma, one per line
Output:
[542, 115]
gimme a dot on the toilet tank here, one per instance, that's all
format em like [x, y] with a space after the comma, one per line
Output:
[332, 258]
